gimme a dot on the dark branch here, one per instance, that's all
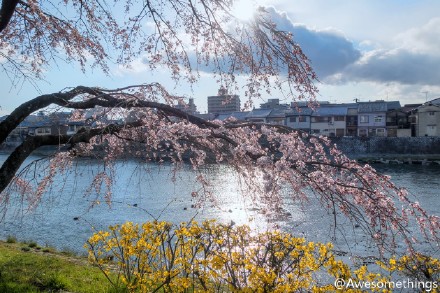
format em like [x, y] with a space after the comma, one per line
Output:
[6, 12]
[101, 98]
[111, 102]
[17, 157]
[38, 103]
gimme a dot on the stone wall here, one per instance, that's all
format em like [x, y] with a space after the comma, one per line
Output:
[382, 146]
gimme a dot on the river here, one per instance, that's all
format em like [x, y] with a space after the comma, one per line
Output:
[66, 217]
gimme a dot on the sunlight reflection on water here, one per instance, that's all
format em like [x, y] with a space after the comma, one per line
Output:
[66, 216]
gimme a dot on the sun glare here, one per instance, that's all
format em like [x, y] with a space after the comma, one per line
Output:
[244, 9]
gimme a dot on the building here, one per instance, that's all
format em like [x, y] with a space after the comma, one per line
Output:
[237, 116]
[258, 115]
[329, 120]
[274, 104]
[351, 121]
[277, 116]
[189, 107]
[223, 102]
[372, 117]
[299, 118]
[428, 119]
[399, 121]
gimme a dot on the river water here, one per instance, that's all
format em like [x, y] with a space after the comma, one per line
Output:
[66, 216]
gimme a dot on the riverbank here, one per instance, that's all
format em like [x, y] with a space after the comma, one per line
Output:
[397, 159]
[27, 267]
[386, 146]
[371, 150]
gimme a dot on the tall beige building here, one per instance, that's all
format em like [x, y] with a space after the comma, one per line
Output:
[428, 119]
[223, 102]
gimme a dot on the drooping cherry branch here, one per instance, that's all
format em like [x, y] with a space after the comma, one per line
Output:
[267, 157]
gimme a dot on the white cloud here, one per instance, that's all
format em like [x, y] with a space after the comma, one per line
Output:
[401, 47]
[396, 65]
[424, 39]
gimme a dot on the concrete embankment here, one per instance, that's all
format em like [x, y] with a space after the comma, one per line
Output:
[391, 150]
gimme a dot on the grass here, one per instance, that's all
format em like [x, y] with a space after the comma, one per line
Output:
[28, 268]
[11, 239]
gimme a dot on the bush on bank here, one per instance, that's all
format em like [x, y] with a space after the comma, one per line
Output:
[158, 256]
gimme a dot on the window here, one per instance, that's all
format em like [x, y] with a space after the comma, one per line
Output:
[352, 120]
[339, 118]
[319, 119]
[378, 119]
[431, 130]
[380, 132]
[431, 113]
[363, 119]
[302, 119]
[362, 132]
[292, 119]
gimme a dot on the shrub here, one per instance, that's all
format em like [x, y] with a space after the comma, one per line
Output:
[11, 239]
[213, 257]
[32, 244]
[417, 267]
[157, 256]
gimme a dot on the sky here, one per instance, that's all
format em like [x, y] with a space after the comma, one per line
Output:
[363, 49]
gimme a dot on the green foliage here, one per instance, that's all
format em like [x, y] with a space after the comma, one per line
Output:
[35, 271]
[11, 239]
[32, 244]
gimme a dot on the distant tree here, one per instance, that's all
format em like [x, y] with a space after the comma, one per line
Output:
[182, 36]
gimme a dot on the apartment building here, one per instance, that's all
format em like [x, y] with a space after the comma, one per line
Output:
[223, 102]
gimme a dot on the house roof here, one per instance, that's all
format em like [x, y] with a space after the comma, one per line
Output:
[377, 106]
[277, 113]
[426, 107]
[76, 122]
[302, 111]
[259, 113]
[393, 105]
[409, 107]
[241, 116]
[327, 110]
[434, 102]
[207, 116]
[304, 104]
[37, 124]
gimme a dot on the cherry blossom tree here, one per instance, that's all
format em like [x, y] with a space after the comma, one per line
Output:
[183, 36]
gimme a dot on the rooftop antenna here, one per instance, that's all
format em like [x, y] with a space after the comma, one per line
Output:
[426, 95]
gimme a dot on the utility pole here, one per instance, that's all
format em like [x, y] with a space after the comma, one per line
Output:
[426, 95]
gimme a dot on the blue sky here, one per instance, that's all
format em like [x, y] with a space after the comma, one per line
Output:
[364, 49]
